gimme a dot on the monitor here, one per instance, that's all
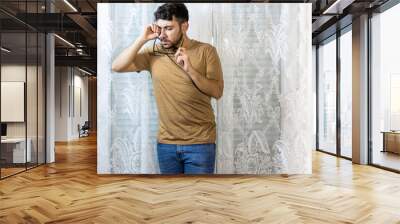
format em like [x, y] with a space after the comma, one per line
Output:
[3, 129]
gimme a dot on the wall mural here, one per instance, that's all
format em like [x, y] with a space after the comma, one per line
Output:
[264, 118]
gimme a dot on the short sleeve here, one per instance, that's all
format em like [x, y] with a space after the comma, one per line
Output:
[142, 60]
[214, 70]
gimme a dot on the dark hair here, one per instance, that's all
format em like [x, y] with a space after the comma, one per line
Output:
[168, 10]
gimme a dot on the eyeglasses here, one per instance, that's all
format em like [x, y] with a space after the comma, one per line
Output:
[158, 50]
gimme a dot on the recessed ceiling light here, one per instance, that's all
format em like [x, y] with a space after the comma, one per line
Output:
[84, 71]
[64, 40]
[337, 7]
[5, 50]
[70, 5]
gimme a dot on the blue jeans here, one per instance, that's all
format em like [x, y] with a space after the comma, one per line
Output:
[187, 159]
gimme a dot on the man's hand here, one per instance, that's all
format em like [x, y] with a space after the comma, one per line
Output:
[183, 59]
[151, 32]
[209, 87]
[125, 60]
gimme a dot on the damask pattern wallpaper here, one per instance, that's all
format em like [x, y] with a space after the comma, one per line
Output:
[264, 119]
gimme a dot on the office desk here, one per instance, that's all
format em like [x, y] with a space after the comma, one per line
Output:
[15, 148]
[391, 141]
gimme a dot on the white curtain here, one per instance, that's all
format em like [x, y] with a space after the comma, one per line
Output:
[264, 123]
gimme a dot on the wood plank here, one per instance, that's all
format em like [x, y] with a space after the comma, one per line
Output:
[70, 191]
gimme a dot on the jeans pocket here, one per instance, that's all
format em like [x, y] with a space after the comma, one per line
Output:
[201, 155]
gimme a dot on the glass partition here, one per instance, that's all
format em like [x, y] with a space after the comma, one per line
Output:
[22, 90]
[14, 153]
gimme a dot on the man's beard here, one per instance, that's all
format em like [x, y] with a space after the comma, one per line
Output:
[176, 44]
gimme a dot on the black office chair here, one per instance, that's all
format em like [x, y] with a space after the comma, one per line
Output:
[84, 130]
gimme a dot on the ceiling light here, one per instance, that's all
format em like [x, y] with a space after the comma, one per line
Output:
[5, 50]
[338, 6]
[84, 71]
[330, 7]
[70, 5]
[65, 41]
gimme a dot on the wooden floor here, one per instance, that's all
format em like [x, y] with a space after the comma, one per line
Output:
[9, 171]
[387, 159]
[5, 172]
[70, 191]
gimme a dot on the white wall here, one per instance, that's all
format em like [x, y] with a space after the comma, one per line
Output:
[79, 111]
[61, 103]
[33, 127]
[70, 83]
[12, 73]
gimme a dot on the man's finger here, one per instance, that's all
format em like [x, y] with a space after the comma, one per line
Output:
[158, 30]
[154, 28]
[176, 56]
[178, 53]
[180, 60]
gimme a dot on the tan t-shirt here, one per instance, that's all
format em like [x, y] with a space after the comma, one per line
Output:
[185, 113]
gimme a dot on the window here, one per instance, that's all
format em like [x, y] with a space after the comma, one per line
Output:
[346, 93]
[385, 88]
[327, 96]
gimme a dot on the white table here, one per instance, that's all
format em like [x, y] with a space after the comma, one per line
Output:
[18, 145]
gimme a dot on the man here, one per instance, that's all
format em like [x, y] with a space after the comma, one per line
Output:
[186, 74]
